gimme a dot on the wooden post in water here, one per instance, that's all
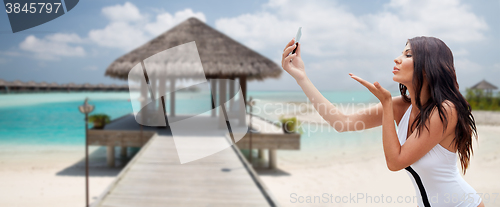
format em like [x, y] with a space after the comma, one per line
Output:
[111, 155]
[172, 97]
[213, 92]
[222, 101]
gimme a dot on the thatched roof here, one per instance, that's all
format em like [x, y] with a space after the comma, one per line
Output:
[220, 55]
[101, 86]
[3, 83]
[71, 85]
[17, 83]
[43, 84]
[484, 85]
[113, 86]
[87, 85]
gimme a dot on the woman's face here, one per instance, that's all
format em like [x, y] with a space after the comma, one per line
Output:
[403, 71]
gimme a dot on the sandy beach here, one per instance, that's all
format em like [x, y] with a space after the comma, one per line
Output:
[51, 175]
[354, 175]
[359, 176]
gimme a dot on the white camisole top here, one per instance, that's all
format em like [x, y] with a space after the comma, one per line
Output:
[436, 177]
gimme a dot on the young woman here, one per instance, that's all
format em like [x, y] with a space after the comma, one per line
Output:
[434, 121]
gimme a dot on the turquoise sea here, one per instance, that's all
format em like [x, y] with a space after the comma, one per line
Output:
[54, 119]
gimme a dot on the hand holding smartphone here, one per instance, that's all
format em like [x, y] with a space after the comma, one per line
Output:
[297, 38]
[295, 68]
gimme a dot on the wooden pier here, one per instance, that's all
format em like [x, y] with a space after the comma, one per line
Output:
[267, 136]
[34, 87]
[125, 132]
[155, 177]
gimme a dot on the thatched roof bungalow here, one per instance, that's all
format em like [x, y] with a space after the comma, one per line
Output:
[43, 86]
[87, 87]
[54, 86]
[4, 86]
[17, 85]
[221, 58]
[484, 85]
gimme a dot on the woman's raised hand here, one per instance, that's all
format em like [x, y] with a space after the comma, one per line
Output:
[293, 63]
[381, 93]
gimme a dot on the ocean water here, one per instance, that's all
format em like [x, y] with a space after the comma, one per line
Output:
[53, 118]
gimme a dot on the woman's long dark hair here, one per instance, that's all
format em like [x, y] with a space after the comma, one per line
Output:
[433, 58]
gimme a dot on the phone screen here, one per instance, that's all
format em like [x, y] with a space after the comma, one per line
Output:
[297, 38]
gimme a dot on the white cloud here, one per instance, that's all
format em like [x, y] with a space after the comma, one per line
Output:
[119, 35]
[447, 19]
[467, 66]
[468, 71]
[53, 46]
[122, 13]
[460, 52]
[128, 28]
[165, 20]
[367, 43]
[330, 29]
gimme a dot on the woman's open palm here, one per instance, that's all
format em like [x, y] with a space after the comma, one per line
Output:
[381, 93]
[293, 63]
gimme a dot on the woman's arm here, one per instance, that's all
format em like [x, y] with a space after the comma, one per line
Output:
[360, 120]
[399, 157]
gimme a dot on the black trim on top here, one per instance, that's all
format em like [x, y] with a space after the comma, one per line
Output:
[420, 186]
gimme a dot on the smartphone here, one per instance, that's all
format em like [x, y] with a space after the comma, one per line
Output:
[297, 38]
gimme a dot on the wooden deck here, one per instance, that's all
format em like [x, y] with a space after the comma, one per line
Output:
[156, 178]
[125, 132]
[267, 136]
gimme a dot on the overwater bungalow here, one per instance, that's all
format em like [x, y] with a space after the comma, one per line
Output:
[54, 86]
[31, 86]
[87, 87]
[3, 86]
[485, 86]
[17, 85]
[71, 87]
[43, 86]
[101, 87]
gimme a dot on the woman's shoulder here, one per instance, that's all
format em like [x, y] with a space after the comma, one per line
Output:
[399, 108]
[399, 104]
[447, 106]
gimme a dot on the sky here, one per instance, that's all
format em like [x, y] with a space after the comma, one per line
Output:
[338, 37]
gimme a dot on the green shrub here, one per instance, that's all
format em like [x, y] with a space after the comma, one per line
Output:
[99, 120]
[479, 100]
[290, 125]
